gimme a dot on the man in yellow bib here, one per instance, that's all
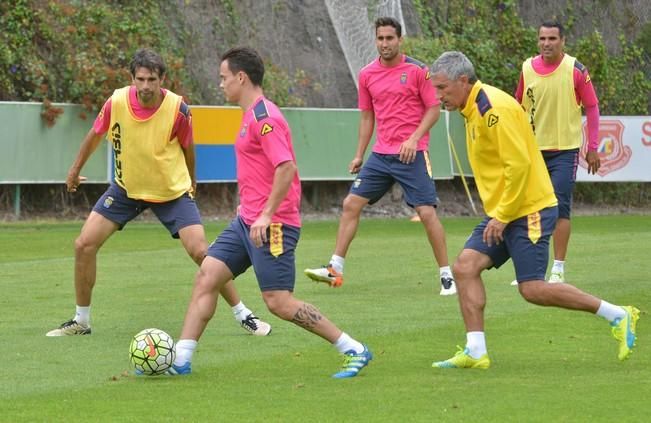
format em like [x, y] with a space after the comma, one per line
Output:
[552, 88]
[153, 150]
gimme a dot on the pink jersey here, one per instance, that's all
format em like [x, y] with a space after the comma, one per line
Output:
[583, 90]
[182, 126]
[263, 143]
[399, 96]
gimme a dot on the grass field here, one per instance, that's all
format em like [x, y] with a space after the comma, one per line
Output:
[548, 365]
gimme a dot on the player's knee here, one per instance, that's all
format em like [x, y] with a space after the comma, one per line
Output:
[205, 282]
[197, 255]
[352, 205]
[464, 268]
[278, 305]
[531, 292]
[84, 246]
[426, 213]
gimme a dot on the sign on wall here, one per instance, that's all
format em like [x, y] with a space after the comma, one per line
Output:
[624, 150]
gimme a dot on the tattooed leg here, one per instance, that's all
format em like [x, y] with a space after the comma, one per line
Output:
[284, 305]
[307, 316]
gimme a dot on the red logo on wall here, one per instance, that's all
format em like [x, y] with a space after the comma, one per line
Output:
[613, 154]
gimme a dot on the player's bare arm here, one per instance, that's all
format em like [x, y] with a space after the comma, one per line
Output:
[283, 177]
[88, 146]
[408, 148]
[365, 132]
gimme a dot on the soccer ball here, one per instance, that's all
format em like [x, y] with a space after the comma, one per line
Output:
[152, 352]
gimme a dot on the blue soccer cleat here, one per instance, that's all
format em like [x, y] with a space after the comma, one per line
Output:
[354, 363]
[184, 369]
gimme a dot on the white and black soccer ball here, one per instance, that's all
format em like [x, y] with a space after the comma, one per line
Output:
[152, 352]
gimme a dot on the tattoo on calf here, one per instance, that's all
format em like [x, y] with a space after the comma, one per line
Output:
[307, 316]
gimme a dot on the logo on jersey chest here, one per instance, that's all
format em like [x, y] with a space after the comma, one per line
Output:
[403, 78]
[243, 130]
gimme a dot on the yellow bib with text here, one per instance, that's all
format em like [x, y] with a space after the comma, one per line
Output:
[148, 164]
[550, 103]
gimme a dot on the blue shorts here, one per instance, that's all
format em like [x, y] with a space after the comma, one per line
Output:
[381, 171]
[273, 263]
[526, 241]
[175, 215]
[562, 166]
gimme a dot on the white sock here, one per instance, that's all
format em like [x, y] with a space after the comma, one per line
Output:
[558, 266]
[610, 312]
[240, 311]
[445, 271]
[82, 315]
[337, 263]
[345, 343]
[476, 344]
[184, 350]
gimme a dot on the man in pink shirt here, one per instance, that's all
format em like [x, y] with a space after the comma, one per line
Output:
[394, 91]
[266, 231]
[553, 87]
[146, 107]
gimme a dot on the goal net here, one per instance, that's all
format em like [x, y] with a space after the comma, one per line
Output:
[353, 22]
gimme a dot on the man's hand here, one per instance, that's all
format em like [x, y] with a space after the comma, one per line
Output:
[192, 192]
[258, 233]
[408, 151]
[73, 180]
[592, 157]
[355, 165]
[493, 232]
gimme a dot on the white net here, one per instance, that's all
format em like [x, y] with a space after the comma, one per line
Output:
[353, 23]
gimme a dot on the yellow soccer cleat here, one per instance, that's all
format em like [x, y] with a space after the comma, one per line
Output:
[463, 360]
[624, 331]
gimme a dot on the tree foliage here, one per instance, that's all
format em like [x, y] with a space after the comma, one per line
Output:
[69, 51]
[495, 39]
[78, 51]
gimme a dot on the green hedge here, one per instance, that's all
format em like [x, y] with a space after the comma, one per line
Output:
[78, 51]
[493, 36]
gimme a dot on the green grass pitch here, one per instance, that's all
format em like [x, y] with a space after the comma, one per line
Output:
[547, 364]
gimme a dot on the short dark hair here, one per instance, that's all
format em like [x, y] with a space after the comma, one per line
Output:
[554, 24]
[388, 21]
[247, 60]
[147, 58]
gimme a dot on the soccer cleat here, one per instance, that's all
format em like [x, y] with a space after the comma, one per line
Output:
[182, 370]
[556, 277]
[448, 286]
[256, 326]
[326, 274]
[354, 363]
[463, 360]
[624, 331]
[71, 327]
